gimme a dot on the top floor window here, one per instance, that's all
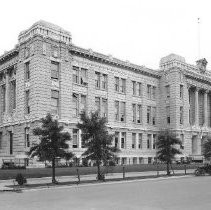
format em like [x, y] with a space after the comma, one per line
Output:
[134, 87]
[139, 89]
[97, 80]
[104, 82]
[75, 74]
[123, 85]
[54, 70]
[27, 71]
[117, 84]
[148, 91]
[181, 91]
[83, 76]
[167, 91]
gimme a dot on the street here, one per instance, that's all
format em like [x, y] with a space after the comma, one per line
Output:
[169, 194]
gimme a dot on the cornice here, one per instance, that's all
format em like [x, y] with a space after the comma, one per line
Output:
[89, 54]
[9, 54]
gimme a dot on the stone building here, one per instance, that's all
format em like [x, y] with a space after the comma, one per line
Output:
[46, 72]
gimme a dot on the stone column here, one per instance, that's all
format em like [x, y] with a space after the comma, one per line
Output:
[79, 138]
[205, 109]
[119, 140]
[196, 107]
[7, 92]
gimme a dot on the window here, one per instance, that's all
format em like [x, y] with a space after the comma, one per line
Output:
[11, 142]
[133, 140]
[182, 140]
[75, 74]
[27, 102]
[27, 141]
[149, 91]
[75, 105]
[123, 140]
[154, 141]
[140, 140]
[97, 104]
[148, 114]
[139, 113]
[122, 112]
[117, 84]
[104, 107]
[153, 115]
[83, 103]
[181, 115]
[134, 87]
[117, 110]
[83, 142]
[13, 94]
[1, 140]
[123, 86]
[167, 91]
[116, 140]
[83, 76]
[153, 93]
[168, 114]
[54, 101]
[149, 146]
[134, 112]
[54, 70]
[27, 71]
[181, 91]
[3, 92]
[139, 89]
[75, 138]
[97, 80]
[104, 82]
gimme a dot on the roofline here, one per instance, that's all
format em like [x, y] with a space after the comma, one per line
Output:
[8, 54]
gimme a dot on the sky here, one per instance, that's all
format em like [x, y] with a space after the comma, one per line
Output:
[140, 31]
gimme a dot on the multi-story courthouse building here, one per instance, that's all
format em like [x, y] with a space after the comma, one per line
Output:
[45, 72]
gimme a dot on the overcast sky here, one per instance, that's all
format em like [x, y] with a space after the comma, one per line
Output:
[141, 31]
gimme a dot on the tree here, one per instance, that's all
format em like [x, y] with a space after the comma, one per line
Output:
[52, 144]
[207, 148]
[97, 140]
[166, 148]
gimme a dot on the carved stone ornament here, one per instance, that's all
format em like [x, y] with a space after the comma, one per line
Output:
[202, 64]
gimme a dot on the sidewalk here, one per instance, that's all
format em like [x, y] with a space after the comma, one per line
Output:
[6, 185]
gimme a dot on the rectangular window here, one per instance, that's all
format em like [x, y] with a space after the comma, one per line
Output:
[13, 94]
[149, 146]
[83, 103]
[122, 112]
[97, 104]
[123, 85]
[84, 76]
[167, 91]
[104, 81]
[148, 115]
[139, 113]
[117, 110]
[27, 71]
[116, 140]
[134, 112]
[168, 114]
[149, 91]
[54, 70]
[1, 140]
[27, 102]
[27, 141]
[11, 142]
[182, 140]
[139, 89]
[3, 93]
[75, 74]
[75, 138]
[140, 140]
[134, 87]
[123, 140]
[153, 93]
[181, 115]
[154, 141]
[75, 105]
[54, 101]
[97, 80]
[181, 91]
[116, 84]
[104, 107]
[133, 140]
[153, 115]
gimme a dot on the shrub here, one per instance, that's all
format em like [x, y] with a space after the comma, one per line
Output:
[20, 179]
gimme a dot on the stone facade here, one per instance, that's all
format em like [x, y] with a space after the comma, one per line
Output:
[45, 72]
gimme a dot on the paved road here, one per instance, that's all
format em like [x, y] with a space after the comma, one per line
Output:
[190, 193]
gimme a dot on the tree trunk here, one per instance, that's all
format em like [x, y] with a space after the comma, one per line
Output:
[167, 168]
[99, 175]
[53, 172]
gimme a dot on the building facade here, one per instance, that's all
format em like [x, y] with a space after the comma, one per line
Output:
[46, 72]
